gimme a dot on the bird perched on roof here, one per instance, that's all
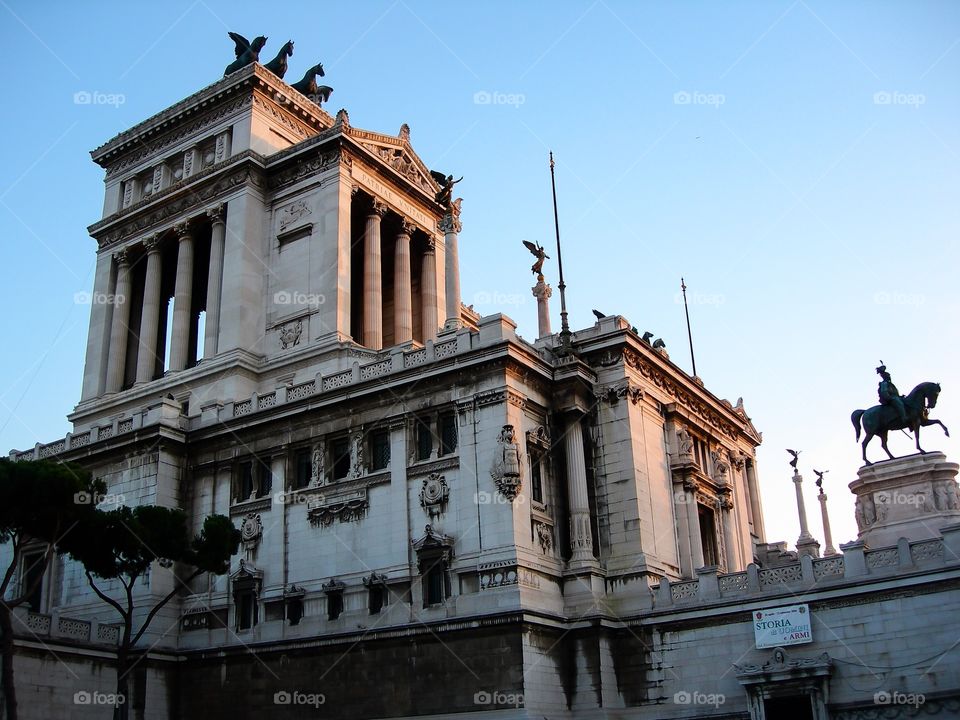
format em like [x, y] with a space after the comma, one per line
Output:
[247, 52]
[795, 453]
[598, 315]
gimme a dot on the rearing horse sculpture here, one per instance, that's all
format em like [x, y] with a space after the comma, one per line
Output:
[881, 419]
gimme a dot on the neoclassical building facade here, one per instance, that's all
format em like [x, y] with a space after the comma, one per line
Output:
[438, 516]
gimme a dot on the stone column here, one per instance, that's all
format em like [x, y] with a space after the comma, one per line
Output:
[581, 539]
[693, 525]
[214, 280]
[182, 299]
[680, 502]
[827, 534]
[372, 281]
[806, 545]
[428, 292]
[402, 293]
[150, 315]
[450, 226]
[756, 512]
[116, 360]
[725, 507]
[542, 292]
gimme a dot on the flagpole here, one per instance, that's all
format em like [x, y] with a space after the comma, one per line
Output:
[686, 311]
[564, 325]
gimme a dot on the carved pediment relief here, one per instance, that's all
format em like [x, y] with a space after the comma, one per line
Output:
[406, 164]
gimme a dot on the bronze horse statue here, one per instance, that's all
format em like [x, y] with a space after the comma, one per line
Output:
[278, 66]
[881, 419]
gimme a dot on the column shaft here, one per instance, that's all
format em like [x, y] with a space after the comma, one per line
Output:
[116, 360]
[693, 527]
[756, 511]
[218, 236]
[827, 533]
[725, 509]
[182, 301]
[372, 280]
[150, 314]
[428, 293]
[450, 225]
[683, 532]
[402, 292]
[581, 540]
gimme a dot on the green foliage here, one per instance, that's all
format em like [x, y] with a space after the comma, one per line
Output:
[125, 541]
[44, 499]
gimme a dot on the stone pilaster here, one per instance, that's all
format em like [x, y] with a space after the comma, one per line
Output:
[372, 280]
[182, 299]
[428, 292]
[402, 292]
[450, 227]
[116, 360]
[214, 280]
[150, 314]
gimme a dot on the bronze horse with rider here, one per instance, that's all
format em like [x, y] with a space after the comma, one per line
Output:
[881, 419]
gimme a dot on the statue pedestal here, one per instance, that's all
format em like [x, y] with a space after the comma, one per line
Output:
[911, 497]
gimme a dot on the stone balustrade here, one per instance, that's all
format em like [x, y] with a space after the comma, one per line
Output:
[30, 625]
[384, 364]
[855, 564]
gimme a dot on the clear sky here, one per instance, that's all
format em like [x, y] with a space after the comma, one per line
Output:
[796, 162]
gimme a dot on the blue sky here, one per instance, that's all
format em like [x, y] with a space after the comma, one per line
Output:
[796, 162]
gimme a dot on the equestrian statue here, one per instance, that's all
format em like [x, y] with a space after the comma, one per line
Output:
[897, 412]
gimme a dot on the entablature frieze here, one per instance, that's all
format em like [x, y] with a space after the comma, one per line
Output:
[212, 105]
[192, 196]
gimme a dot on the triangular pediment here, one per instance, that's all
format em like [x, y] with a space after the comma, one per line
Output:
[396, 153]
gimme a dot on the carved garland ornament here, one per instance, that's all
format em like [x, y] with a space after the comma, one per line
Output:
[434, 494]
[680, 394]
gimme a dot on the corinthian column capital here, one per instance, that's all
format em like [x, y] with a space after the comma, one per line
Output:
[217, 213]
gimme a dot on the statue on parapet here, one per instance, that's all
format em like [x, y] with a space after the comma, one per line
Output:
[896, 412]
[540, 254]
[446, 183]
[278, 66]
[318, 94]
[247, 52]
